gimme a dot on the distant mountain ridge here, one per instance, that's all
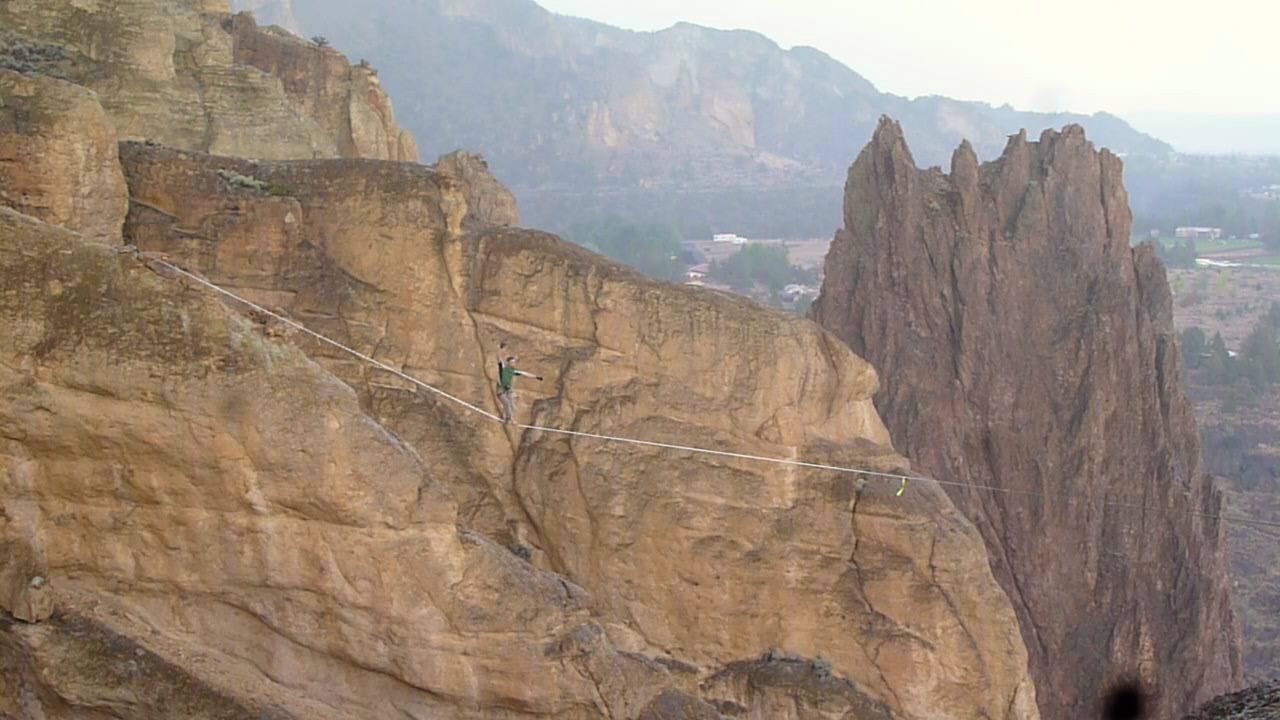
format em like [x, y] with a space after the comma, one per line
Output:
[567, 105]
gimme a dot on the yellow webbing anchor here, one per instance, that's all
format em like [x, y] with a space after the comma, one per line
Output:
[903, 488]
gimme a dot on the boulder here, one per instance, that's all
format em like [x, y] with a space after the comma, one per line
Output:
[58, 156]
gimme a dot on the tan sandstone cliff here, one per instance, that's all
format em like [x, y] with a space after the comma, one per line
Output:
[1026, 346]
[229, 535]
[227, 532]
[707, 561]
[187, 74]
[204, 513]
[58, 156]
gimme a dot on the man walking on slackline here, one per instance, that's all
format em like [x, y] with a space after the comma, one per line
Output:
[507, 374]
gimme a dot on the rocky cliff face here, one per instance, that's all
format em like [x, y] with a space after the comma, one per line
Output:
[204, 513]
[197, 518]
[270, 12]
[704, 561]
[1025, 346]
[58, 158]
[229, 535]
[1261, 702]
[346, 101]
[186, 74]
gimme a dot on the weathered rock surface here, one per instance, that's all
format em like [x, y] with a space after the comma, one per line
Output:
[58, 157]
[270, 12]
[227, 530]
[347, 100]
[793, 688]
[1027, 347]
[182, 74]
[24, 586]
[706, 561]
[1261, 702]
[488, 201]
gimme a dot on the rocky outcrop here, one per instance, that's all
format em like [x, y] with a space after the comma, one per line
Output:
[347, 100]
[693, 561]
[182, 74]
[205, 513]
[24, 587]
[1029, 356]
[1261, 702]
[230, 535]
[782, 688]
[58, 158]
[270, 12]
[488, 201]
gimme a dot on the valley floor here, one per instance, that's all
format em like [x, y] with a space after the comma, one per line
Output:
[1240, 435]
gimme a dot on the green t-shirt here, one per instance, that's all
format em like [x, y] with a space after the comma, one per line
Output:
[506, 375]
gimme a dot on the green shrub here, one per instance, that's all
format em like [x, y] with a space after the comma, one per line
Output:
[251, 183]
[652, 249]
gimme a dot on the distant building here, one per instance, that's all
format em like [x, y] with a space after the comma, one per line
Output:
[1198, 233]
[1255, 236]
[1266, 192]
[698, 272]
[729, 238]
[794, 292]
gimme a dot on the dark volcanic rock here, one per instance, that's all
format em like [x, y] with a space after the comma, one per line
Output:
[1023, 344]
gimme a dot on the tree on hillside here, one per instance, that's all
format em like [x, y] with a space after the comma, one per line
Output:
[1182, 256]
[763, 264]
[1217, 364]
[1270, 226]
[652, 249]
[1256, 368]
[1194, 344]
[1260, 356]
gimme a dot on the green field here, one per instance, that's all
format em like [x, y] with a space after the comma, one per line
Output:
[1205, 247]
[1264, 261]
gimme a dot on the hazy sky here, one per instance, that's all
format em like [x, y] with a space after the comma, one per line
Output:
[1085, 55]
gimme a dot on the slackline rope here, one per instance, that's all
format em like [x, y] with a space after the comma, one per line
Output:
[903, 478]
